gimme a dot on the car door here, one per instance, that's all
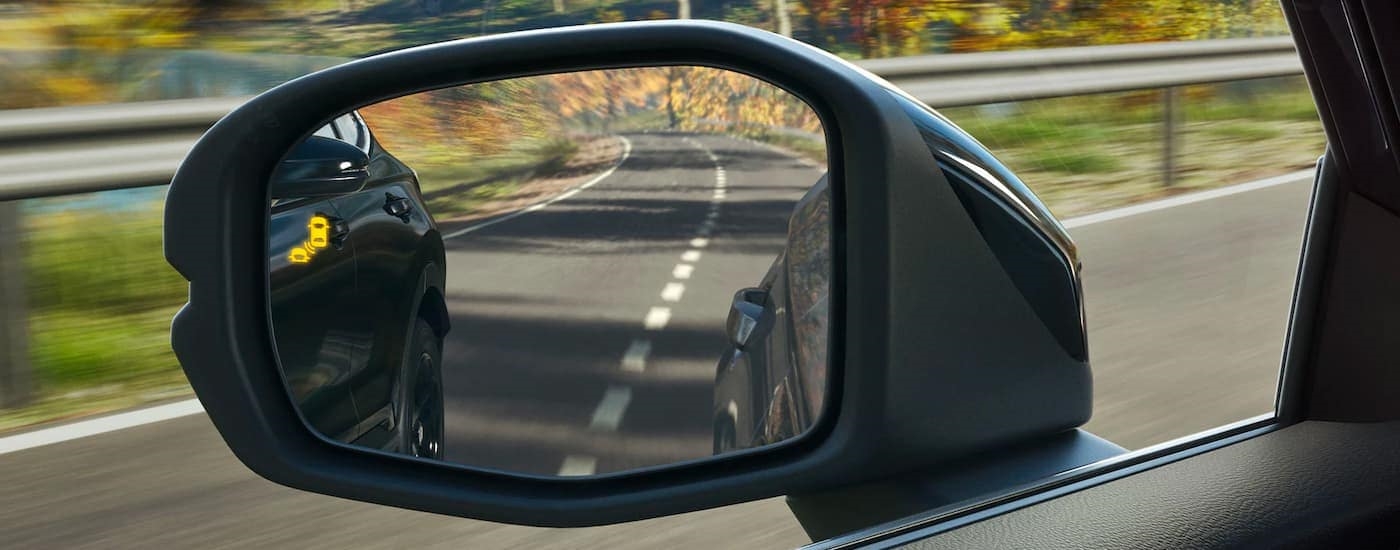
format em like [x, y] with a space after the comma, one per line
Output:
[312, 281]
[385, 227]
[1318, 472]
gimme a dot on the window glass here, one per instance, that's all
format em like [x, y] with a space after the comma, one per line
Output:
[809, 282]
[1187, 301]
[347, 129]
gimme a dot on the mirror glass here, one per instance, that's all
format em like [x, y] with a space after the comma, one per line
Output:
[561, 275]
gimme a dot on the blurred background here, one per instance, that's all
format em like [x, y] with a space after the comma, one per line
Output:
[1187, 305]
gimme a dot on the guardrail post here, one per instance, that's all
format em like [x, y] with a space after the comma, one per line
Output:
[15, 383]
[1170, 98]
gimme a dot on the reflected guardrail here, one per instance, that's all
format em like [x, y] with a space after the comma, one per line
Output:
[70, 150]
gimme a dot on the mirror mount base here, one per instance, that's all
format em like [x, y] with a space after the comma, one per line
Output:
[841, 511]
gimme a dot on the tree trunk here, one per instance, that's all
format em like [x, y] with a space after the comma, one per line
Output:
[682, 9]
[558, 6]
[671, 97]
[16, 385]
[784, 19]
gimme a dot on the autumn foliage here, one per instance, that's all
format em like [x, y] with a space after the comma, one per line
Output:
[519, 115]
[852, 28]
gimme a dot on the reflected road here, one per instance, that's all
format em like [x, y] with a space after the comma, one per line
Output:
[585, 334]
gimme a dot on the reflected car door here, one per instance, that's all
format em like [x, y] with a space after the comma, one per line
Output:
[311, 284]
[796, 364]
[774, 388]
[386, 226]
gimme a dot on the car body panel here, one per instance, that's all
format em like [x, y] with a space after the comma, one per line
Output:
[359, 319]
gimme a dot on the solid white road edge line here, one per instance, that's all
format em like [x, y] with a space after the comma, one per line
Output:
[626, 152]
[100, 425]
[1143, 208]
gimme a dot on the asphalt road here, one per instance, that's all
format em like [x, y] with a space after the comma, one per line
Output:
[585, 334]
[1186, 306]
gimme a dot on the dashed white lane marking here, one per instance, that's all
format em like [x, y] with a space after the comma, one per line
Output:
[691, 256]
[699, 242]
[578, 465]
[656, 318]
[682, 271]
[101, 425]
[672, 292]
[626, 153]
[635, 359]
[608, 415]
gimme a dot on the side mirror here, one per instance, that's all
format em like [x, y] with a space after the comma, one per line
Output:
[747, 316]
[318, 167]
[925, 306]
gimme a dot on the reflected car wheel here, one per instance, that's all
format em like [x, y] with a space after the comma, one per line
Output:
[726, 437]
[422, 429]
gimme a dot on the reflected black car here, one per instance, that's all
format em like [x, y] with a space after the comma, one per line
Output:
[770, 384]
[356, 273]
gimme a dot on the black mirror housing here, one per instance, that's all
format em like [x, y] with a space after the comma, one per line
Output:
[318, 167]
[938, 351]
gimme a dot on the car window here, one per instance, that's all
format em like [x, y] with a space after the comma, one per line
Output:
[362, 133]
[348, 131]
[1187, 205]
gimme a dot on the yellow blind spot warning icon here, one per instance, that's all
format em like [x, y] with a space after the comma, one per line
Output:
[319, 230]
[299, 255]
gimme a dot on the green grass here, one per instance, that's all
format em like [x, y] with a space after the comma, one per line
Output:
[1035, 130]
[454, 187]
[99, 262]
[1244, 131]
[1088, 153]
[553, 154]
[1075, 162]
[101, 297]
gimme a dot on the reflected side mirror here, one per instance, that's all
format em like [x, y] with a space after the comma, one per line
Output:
[320, 166]
[748, 315]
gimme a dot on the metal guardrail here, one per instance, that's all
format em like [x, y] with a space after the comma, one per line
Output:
[58, 151]
[69, 150]
[991, 77]
[66, 150]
